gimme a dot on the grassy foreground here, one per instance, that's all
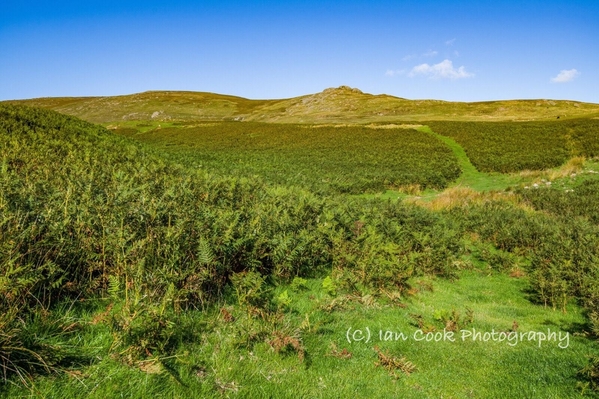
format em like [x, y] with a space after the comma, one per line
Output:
[222, 359]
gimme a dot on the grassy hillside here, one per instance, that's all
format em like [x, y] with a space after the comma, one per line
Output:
[159, 106]
[336, 105]
[125, 272]
[325, 159]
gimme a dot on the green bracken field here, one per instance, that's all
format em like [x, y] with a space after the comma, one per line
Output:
[324, 159]
[241, 259]
[514, 146]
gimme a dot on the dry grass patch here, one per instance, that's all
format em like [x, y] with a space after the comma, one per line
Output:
[574, 165]
[459, 195]
[393, 363]
[410, 189]
[369, 126]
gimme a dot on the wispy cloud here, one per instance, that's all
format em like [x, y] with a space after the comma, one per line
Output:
[450, 42]
[442, 70]
[430, 53]
[392, 73]
[566, 75]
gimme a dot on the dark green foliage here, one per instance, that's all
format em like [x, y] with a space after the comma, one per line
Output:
[567, 261]
[250, 289]
[578, 202]
[143, 331]
[590, 373]
[299, 284]
[584, 134]
[395, 243]
[352, 159]
[496, 259]
[85, 213]
[514, 146]
[563, 253]
[82, 205]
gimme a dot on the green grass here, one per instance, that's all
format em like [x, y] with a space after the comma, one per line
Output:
[215, 365]
[201, 143]
[134, 272]
[472, 178]
[511, 147]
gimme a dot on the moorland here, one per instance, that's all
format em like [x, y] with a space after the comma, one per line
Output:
[340, 244]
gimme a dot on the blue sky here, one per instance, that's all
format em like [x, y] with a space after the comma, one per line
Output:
[448, 50]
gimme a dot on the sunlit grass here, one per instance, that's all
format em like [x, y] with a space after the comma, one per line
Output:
[216, 365]
[133, 271]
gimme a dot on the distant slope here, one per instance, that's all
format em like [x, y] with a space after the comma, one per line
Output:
[151, 105]
[334, 105]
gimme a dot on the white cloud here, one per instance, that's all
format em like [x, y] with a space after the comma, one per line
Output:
[565, 76]
[444, 69]
[450, 42]
[391, 72]
[430, 53]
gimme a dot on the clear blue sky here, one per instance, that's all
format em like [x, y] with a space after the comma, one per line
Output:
[449, 50]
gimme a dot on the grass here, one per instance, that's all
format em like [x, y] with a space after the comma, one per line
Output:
[474, 180]
[513, 147]
[470, 176]
[188, 278]
[210, 148]
[216, 365]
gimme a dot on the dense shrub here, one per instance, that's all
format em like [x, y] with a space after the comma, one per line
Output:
[85, 214]
[579, 202]
[340, 159]
[514, 146]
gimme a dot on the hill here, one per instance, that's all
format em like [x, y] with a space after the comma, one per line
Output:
[333, 105]
[123, 271]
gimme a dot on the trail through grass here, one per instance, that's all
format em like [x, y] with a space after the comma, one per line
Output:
[484, 182]
[469, 172]
[470, 176]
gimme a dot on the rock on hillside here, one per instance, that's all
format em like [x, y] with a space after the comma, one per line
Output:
[330, 104]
